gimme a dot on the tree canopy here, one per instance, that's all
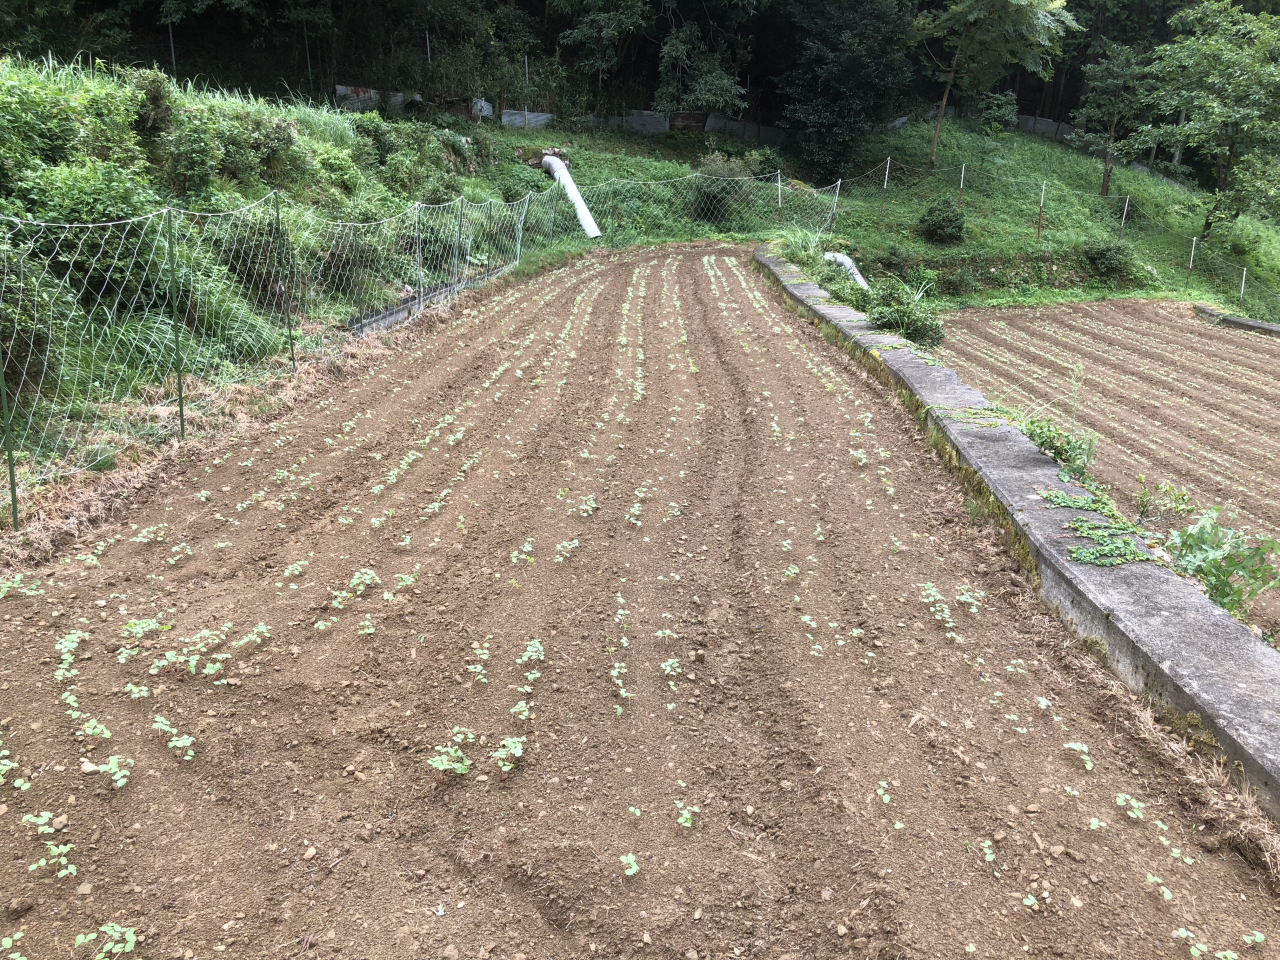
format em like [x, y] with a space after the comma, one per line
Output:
[826, 69]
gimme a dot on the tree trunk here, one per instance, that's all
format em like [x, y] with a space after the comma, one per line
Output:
[1222, 169]
[1062, 79]
[1108, 162]
[942, 109]
[1044, 102]
[1208, 217]
[1177, 151]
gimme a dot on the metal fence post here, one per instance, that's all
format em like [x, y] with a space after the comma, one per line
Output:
[555, 202]
[520, 227]
[457, 248]
[1124, 216]
[960, 205]
[1040, 222]
[1191, 263]
[1244, 273]
[885, 189]
[173, 316]
[283, 254]
[779, 189]
[8, 445]
[417, 231]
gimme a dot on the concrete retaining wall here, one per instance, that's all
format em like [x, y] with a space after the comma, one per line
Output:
[1240, 323]
[1160, 634]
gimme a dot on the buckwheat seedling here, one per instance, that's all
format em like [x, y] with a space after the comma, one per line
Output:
[115, 940]
[630, 867]
[1135, 808]
[119, 769]
[1083, 750]
[177, 741]
[512, 749]
[11, 943]
[970, 597]
[55, 853]
[686, 814]
[450, 758]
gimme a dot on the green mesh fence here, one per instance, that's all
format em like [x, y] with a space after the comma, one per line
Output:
[117, 336]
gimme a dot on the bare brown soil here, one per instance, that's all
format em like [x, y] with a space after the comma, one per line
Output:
[720, 531]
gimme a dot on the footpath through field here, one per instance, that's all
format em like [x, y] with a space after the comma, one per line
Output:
[778, 696]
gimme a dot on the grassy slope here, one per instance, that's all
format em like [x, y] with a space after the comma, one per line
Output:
[154, 143]
[1002, 260]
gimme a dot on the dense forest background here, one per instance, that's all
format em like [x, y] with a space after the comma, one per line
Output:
[826, 69]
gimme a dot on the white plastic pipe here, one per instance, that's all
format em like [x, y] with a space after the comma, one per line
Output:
[850, 267]
[555, 166]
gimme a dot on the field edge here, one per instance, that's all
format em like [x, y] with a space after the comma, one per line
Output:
[1159, 634]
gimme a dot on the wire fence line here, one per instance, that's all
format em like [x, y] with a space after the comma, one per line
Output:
[119, 335]
[1047, 216]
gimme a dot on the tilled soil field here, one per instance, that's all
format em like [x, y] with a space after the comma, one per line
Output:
[1172, 396]
[618, 615]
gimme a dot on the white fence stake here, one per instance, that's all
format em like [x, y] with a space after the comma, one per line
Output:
[779, 189]
[885, 189]
[960, 205]
[1244, 272]
[1040, 223]
[520, 227]
[1191, 263]
[835, 206]
[1124, 216]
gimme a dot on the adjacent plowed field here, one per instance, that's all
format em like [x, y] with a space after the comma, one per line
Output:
[778, 698]
[1172, 396]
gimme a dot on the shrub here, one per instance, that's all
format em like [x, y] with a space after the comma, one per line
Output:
[836, 281]
[892, 305]
[1000, 110]
[378, 132]
[1108, 258]
[518, 179]
[336, 166]
[156, 106]
[943, 222]
[1234, 567]
[88, 191]
[962, 280]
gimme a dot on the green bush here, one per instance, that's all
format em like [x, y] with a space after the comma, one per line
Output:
[84, 191]
[892, 305]
[1234, 567]
[335, 166]
[943, 222]
[379, 134]
[1000, 110]
[518, 179]
[1108, 258]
